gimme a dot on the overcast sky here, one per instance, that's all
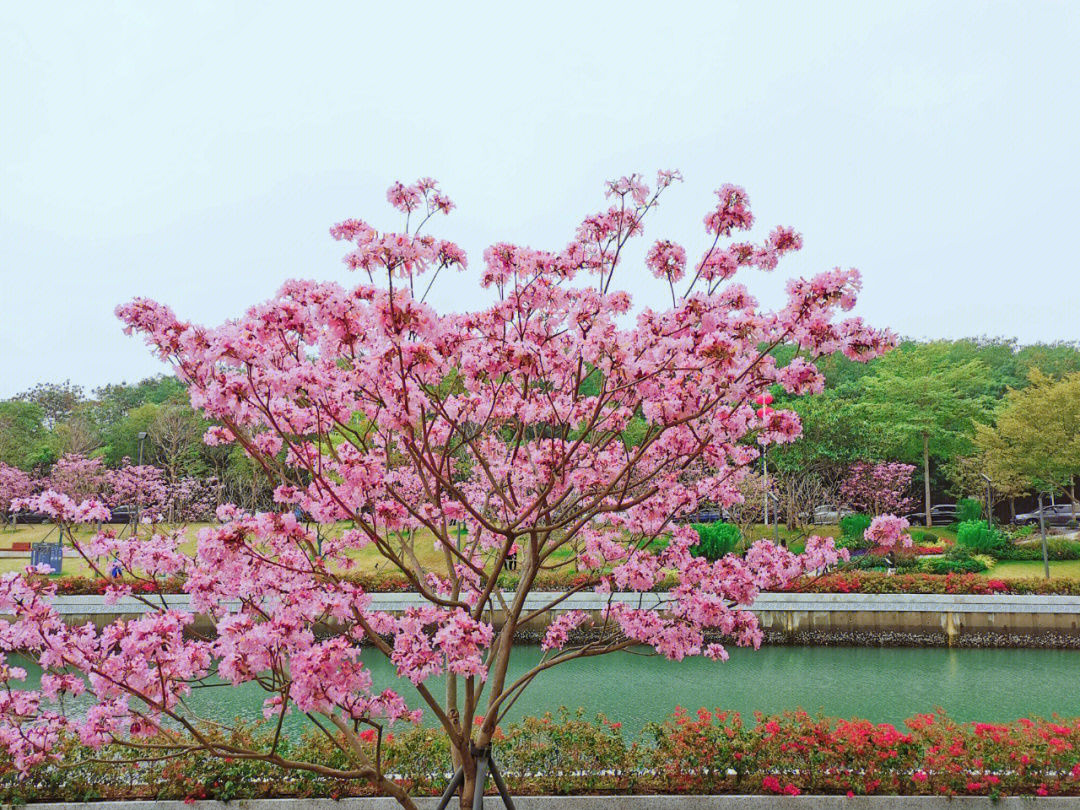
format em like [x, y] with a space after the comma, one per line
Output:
[197, 153]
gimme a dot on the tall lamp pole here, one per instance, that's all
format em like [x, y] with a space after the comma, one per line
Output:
[765, 400]
[138, 491]
[1042, 531]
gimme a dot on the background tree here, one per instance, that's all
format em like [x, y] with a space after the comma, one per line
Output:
[57, 401]
[965, 473]
[1036, 436]
[23, 437]
[175, 436]
[923, 407]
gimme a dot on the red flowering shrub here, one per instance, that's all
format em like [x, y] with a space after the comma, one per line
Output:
[706, 752]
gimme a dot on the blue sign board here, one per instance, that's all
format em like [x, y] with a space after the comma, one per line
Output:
[50, 554]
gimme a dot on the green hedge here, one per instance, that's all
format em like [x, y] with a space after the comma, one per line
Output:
[1058, 548]
[716, 540]
[978, 538]
[968, 509]
[854, 526]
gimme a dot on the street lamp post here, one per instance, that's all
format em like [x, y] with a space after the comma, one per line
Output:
[989, 517]
[765, 400]
[1042, 531]
[776, 515]
[138, 490]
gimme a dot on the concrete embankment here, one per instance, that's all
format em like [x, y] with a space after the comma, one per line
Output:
[786, 618]
[619, 802]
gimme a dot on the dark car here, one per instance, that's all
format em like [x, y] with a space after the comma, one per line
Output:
[942, 514]
[30, 517]
[122, 514]
[1053, 514]
[706, 515]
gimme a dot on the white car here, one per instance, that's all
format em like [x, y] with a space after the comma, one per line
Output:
[829, 514]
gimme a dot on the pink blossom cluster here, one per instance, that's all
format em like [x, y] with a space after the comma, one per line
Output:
[888, 530]
[78, 477]
[879, 488]
[63, 508]
[14, 484]
[140, 485]
[496, 436]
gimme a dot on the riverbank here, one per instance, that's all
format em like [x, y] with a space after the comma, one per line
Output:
[614, 802]
[908, 619]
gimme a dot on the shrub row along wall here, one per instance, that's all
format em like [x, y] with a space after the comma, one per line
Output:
[707, 752]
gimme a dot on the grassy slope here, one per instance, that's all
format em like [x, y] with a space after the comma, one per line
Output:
[370, 561]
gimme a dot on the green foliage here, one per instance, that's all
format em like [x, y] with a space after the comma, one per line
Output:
[968, 509]
[874, 562]
[716, 540]
[854, 526]
[978, 538]
[23, 437]
[947, 565]
[1057, 548]
[924, 538]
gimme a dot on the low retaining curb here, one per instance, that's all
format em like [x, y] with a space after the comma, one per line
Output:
[858, 619]
[617, 802]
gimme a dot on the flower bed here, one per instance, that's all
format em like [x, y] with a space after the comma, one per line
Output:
[707, 752]
[850, 581]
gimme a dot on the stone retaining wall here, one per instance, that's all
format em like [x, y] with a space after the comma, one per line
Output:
[690, 802]
[786, 618]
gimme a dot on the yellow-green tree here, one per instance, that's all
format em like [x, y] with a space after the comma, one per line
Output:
[1036, 436]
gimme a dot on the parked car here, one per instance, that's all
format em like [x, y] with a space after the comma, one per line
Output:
[30, 517]
[826, 514]
[943, 514]
[122, 514]
[1060, 514]
[707, 515]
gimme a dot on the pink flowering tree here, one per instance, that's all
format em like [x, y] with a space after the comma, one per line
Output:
[888, 531]
[878, 489]
[14, 484]
[78, 477]
[141, 486]
[191, 499]
[366, 405]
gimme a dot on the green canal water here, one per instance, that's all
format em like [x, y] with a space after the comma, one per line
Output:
[880, 684]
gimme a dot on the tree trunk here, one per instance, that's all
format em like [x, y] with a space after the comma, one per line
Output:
[926, 477]
[468, 787]
[1012, 509]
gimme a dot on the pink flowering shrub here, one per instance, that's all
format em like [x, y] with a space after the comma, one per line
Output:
[78, 477]
[14, 484]
[366, 404]
[878, 489]
[887, 531]
[141, 485]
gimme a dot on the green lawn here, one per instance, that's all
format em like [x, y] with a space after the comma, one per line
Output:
[370, 561]
[1024, 569]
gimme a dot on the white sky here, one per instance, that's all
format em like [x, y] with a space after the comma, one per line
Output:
[197, 153]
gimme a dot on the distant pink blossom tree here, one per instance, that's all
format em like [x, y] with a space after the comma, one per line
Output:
[14, 484]
[191, 499]
[878, 488]
[78, 477]
[887, 531]
[366, 405]
[139, 485]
